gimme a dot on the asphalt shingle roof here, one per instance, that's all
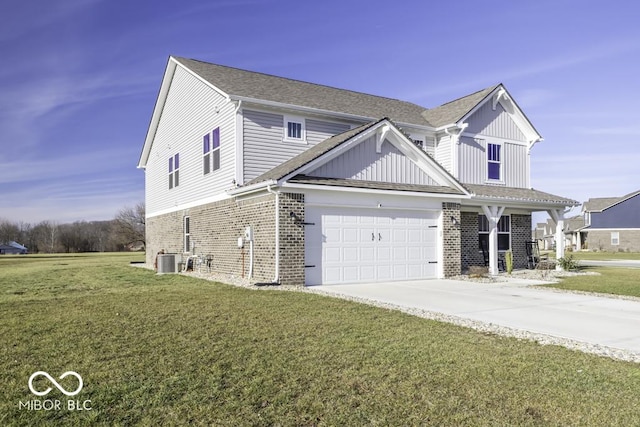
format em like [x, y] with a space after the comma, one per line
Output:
[601, 203]
[311, 154]
[249, 84]
[518, 194]
[375, 185]
[453, 111]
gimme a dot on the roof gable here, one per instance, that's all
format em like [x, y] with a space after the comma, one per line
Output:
[322, 158]
[457, 112]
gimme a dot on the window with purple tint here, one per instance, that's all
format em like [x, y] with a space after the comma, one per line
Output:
[211, 150]
[493, 162]
[174, 173]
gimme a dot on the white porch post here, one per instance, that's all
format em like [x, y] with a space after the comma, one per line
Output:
[578, 240]
[558, 216]
[493, 214]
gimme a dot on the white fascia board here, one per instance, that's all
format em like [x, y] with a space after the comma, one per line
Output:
[371, 191]
[157, 112]
[518, 115]
[169, 72]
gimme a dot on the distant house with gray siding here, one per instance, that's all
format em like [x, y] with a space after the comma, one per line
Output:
[612, 223]
[286, 181]
[12, 248]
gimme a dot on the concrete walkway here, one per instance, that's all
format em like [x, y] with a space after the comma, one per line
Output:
[602, 321]
[622, 263]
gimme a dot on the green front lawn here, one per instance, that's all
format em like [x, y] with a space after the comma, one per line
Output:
[618, 281]
[605, 256]
[173, 350]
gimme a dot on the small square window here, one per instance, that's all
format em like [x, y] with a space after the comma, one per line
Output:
[294, 129]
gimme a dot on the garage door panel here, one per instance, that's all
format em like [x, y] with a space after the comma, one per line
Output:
[359, 245]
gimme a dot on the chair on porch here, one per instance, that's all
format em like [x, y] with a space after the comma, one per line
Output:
[533, 254]
[485, 256]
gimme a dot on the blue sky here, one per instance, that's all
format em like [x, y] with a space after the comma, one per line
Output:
[80, 78]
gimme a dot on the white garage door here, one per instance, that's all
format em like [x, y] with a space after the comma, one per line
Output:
[347, 245]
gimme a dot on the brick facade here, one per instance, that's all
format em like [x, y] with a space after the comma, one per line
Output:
[600, 240]
[216, 227]
[451, 239]
[520, 233]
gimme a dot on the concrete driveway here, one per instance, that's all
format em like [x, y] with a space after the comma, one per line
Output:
[611, 263]
[593, 320]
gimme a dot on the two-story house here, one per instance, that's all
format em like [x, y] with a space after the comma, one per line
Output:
[611, 223]
[297, 183]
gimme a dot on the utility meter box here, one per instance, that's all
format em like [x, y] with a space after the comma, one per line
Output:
[248, 234]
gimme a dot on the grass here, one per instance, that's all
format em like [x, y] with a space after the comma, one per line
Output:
[174, 350]
[605, 256]
[617, 281]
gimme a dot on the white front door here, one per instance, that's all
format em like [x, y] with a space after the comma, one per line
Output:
[348, 245]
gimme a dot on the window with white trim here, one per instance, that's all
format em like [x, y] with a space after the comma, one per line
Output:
[187, 234]
[615, 238]
[294, 129]
[504, 232]
[174, 172]
[211, 151]
[494, 162]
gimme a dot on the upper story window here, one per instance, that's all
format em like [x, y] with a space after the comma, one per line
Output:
[504, 232]
[494, 162]
[211, 151]
[174, 171]
[294, 129]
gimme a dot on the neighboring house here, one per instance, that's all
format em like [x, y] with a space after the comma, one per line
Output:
[574, 233]
[12, 248]
[298, 183]
[612, 223]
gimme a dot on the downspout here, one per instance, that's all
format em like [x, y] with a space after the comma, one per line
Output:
[276, 279]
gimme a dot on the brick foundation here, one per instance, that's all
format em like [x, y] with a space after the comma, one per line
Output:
[216, 227]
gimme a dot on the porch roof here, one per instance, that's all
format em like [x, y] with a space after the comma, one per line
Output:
[373, 185]
[517, 195]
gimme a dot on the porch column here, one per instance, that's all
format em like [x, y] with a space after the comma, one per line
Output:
[558, 216]
[578, 240]
[493, 214]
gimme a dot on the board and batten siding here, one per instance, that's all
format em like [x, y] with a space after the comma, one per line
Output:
[191, 110]
[443, 151]
[473, 162]
[498, 123]
[363, 163]
[264, 147]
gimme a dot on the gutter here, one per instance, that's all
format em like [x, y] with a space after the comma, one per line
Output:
[264, 185]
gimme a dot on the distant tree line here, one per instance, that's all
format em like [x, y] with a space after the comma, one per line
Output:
[125, 232]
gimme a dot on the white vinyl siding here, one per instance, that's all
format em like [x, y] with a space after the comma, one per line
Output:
[473, 162]
[363, 163]
[192, 109]
[443, 151]
[497, 123]
[264, 147]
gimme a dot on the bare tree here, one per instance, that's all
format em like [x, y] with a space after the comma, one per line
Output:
[129, 225]
[8, 231]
